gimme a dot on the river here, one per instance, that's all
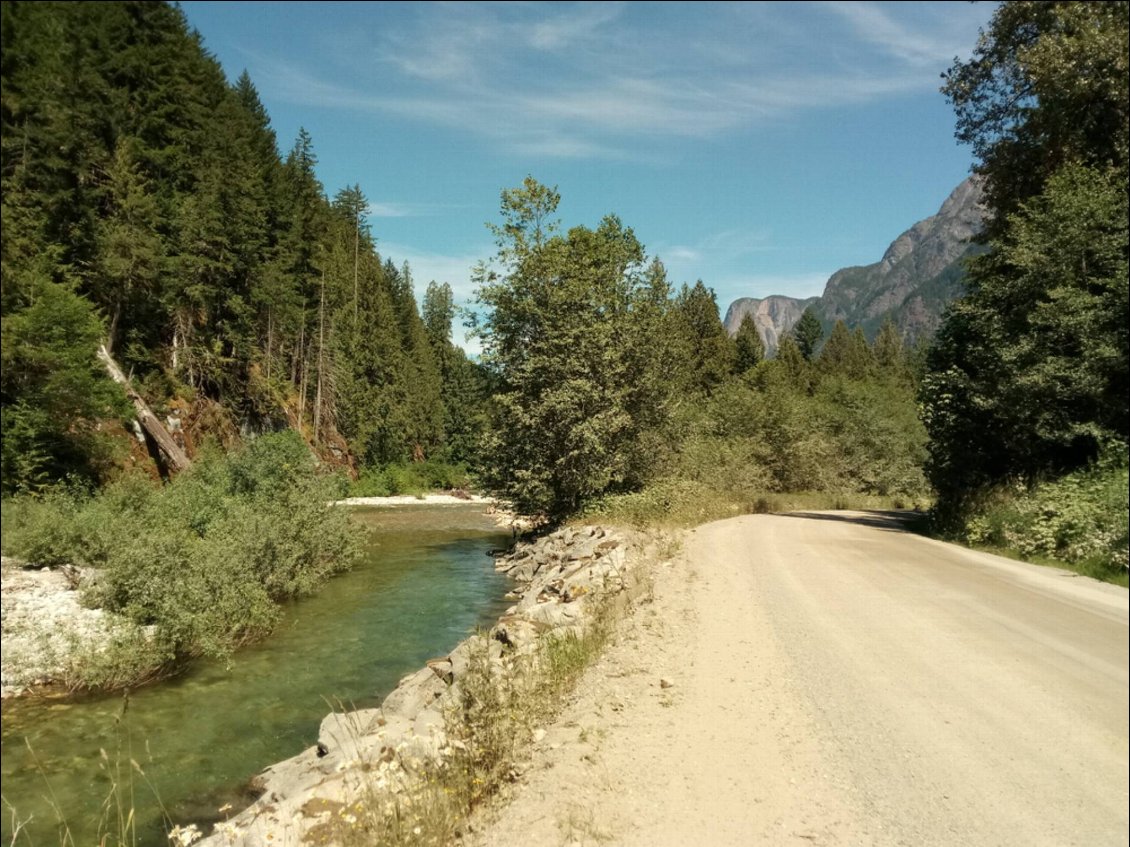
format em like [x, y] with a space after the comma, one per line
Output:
[423, 585]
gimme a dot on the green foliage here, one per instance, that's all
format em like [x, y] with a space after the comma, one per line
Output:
[807, 334]
[567, 334]
[1028, 378]
[54, 391]
[1029, 373]
[438, 314]
[45, 530]
[411, 478]
[205, 560]
[765, 443]
[705, 351]
[1079, 520]
[1046, 84]
[889, 352]
[148, 191]
[846, 353]
[749, 348]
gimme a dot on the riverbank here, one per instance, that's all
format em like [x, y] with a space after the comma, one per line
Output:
[455, 730]
[418, 500]
[45, 628]
[51, 639]
[502, 514]
[424, 581]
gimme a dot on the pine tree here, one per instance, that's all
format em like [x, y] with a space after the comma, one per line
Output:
[709, 351]
[889, 352]
[807, 334]
[750, 349]
[836, 355]
[352, 204]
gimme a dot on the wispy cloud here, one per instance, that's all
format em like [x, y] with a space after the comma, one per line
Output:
[454, 269]
[575, 24]
[596, 80]
[393, 209]
[681, 255]
[930, 43]
[726, 247]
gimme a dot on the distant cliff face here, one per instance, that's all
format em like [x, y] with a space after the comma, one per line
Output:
[773, 316]
[918, 276]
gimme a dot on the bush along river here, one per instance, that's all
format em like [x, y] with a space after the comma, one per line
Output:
[184, 749]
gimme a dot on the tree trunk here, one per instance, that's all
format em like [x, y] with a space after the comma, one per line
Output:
[270, 339]
[174, 456]
[321, 361]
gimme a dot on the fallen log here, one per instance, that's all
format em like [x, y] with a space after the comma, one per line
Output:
[174, 456]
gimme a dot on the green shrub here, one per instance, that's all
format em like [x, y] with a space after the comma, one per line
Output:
[44, 530]
[371, 483]
[1080, 520]
[410, 478]
[204, 562]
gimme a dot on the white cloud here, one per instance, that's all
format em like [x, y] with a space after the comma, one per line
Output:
[680, 254]
[578, 22]
[932, 43]
[393, 209]
[593, 80]
[436, 267]
[684, 262]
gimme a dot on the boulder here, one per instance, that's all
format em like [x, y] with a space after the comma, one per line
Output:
[414, 694]
[341, 734]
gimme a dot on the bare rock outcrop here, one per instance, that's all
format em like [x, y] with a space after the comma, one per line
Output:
[920, 273]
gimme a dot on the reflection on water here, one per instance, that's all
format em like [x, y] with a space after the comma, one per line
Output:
[425, 583]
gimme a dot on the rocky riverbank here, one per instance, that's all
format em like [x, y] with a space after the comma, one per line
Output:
[45, 626]
[49, 634]
[376, 757]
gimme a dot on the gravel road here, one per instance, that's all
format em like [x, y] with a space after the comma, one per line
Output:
[828, 678]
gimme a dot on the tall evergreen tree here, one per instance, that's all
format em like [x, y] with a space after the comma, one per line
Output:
[708, 350]
[889, 352]
[749, 348]
[807, 334]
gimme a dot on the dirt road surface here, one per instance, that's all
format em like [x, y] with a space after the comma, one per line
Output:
[829, 679]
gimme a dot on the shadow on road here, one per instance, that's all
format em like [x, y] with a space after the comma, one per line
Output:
[900, 520]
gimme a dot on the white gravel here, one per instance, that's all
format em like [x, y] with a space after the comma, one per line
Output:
[42, 620]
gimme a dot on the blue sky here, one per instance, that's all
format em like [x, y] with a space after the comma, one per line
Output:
[756, 146]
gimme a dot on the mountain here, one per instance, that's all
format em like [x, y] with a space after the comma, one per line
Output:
[773, 315]
[920, 273]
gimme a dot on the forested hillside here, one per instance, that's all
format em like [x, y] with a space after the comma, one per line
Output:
[146, 206]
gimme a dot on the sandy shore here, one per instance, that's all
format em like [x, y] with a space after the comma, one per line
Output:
[414, 500]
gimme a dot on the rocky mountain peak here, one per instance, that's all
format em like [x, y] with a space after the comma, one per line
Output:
[919, 274]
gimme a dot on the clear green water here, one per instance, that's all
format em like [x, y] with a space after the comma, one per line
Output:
[424, 585]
